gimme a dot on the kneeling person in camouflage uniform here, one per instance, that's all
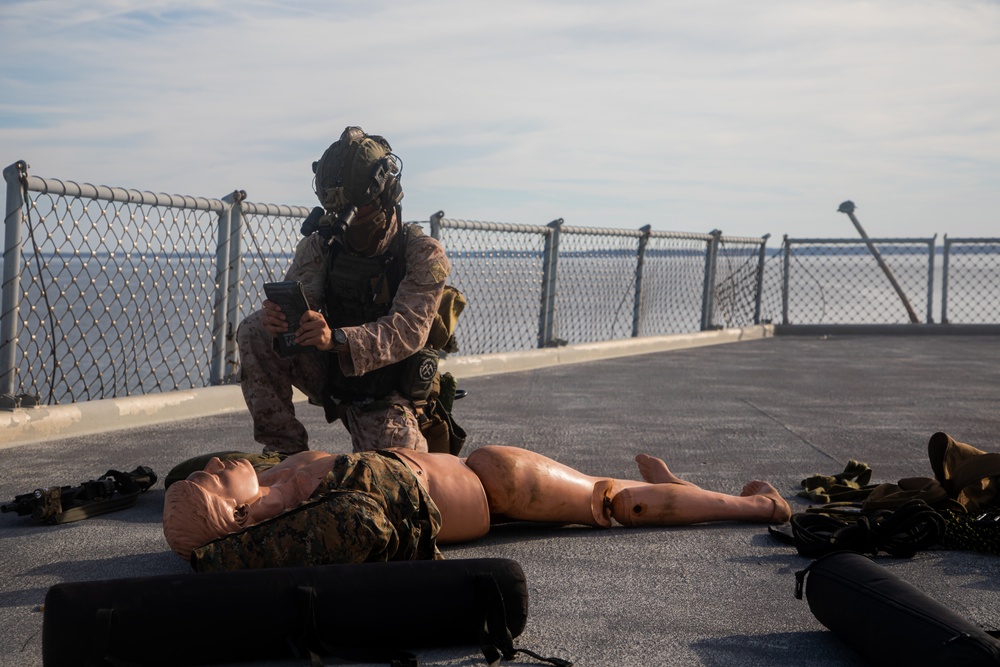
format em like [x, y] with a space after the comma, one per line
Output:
[374, 286]
[315, 508]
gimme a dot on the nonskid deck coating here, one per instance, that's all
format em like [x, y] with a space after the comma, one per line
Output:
[778, 409]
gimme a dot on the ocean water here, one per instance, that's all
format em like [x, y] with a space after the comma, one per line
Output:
[115, 325]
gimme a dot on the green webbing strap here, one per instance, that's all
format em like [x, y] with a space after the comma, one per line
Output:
[93, 508]
[850, 485]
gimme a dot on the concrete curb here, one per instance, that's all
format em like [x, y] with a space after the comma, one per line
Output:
[886, 329]
[29, 425]
[510, 362]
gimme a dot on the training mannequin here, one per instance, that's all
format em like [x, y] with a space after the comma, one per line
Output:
[493, 484]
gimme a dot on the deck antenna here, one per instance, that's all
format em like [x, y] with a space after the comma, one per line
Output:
[848, 208]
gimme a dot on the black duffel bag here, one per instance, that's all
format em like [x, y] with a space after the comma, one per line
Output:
[888, 621]
[367, 611]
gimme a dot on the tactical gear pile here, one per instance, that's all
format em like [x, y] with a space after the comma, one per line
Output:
[959, 508]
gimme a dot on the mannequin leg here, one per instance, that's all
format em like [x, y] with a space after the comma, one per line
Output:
[522, 485]
[674, 504]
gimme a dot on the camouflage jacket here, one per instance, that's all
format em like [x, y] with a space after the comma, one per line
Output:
[370, 508]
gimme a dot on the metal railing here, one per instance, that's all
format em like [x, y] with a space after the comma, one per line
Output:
[113, 292]
[106, 291]
[970, 280]
[840, 281]
[542, 286]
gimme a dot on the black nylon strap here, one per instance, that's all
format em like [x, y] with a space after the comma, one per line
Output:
[558, 662]
[104, 625]
[302, 644]
[495, 637]
[310, 642]
[913, 527]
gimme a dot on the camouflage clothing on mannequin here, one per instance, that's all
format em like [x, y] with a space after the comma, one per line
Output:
[375, 286]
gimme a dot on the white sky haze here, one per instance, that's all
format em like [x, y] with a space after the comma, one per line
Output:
[749, 117]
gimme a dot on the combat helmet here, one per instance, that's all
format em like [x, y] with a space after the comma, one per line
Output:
[357, 169]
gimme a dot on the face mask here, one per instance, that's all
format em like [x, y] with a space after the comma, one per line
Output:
[370, 236]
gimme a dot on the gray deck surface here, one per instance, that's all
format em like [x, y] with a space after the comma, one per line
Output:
[777, 409]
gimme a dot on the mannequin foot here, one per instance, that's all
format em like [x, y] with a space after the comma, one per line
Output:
[655, 471]
[780, 512]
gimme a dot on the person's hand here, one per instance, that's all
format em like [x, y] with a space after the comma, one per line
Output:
[274, 319]
[313, 330]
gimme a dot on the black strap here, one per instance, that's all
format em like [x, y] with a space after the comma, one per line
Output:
[495, 638]
[100, 650]
[103, 624]
[308, 642]
[302, 644]
[900, 533]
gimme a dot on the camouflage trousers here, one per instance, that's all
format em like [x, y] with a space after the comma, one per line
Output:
[370, 508]
[267, 378]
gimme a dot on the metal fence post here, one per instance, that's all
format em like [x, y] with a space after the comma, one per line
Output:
[760, 279]
[220, 309]
[786, 263]
[10, 304]
[930, 280]
[436, 225]
[708, 291]
[546, 315]
[234, 288]
[639, 264]
[946, 254]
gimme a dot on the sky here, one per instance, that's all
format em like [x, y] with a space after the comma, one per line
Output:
[748, 117]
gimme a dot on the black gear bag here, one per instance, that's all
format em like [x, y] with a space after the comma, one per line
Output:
[367, 611]
[888, 621]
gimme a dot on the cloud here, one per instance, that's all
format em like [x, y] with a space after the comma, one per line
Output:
[749, 117]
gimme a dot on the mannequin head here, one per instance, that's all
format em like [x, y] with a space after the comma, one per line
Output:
[209, 504]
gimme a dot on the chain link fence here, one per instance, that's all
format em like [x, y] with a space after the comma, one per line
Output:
[970, 281]
[106, 292]
[500, 269]
[850, 281]
[110, 292]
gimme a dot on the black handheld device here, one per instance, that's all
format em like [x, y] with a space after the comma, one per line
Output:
[292, 298]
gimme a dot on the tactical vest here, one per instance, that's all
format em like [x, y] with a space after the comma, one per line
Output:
[360, 290]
